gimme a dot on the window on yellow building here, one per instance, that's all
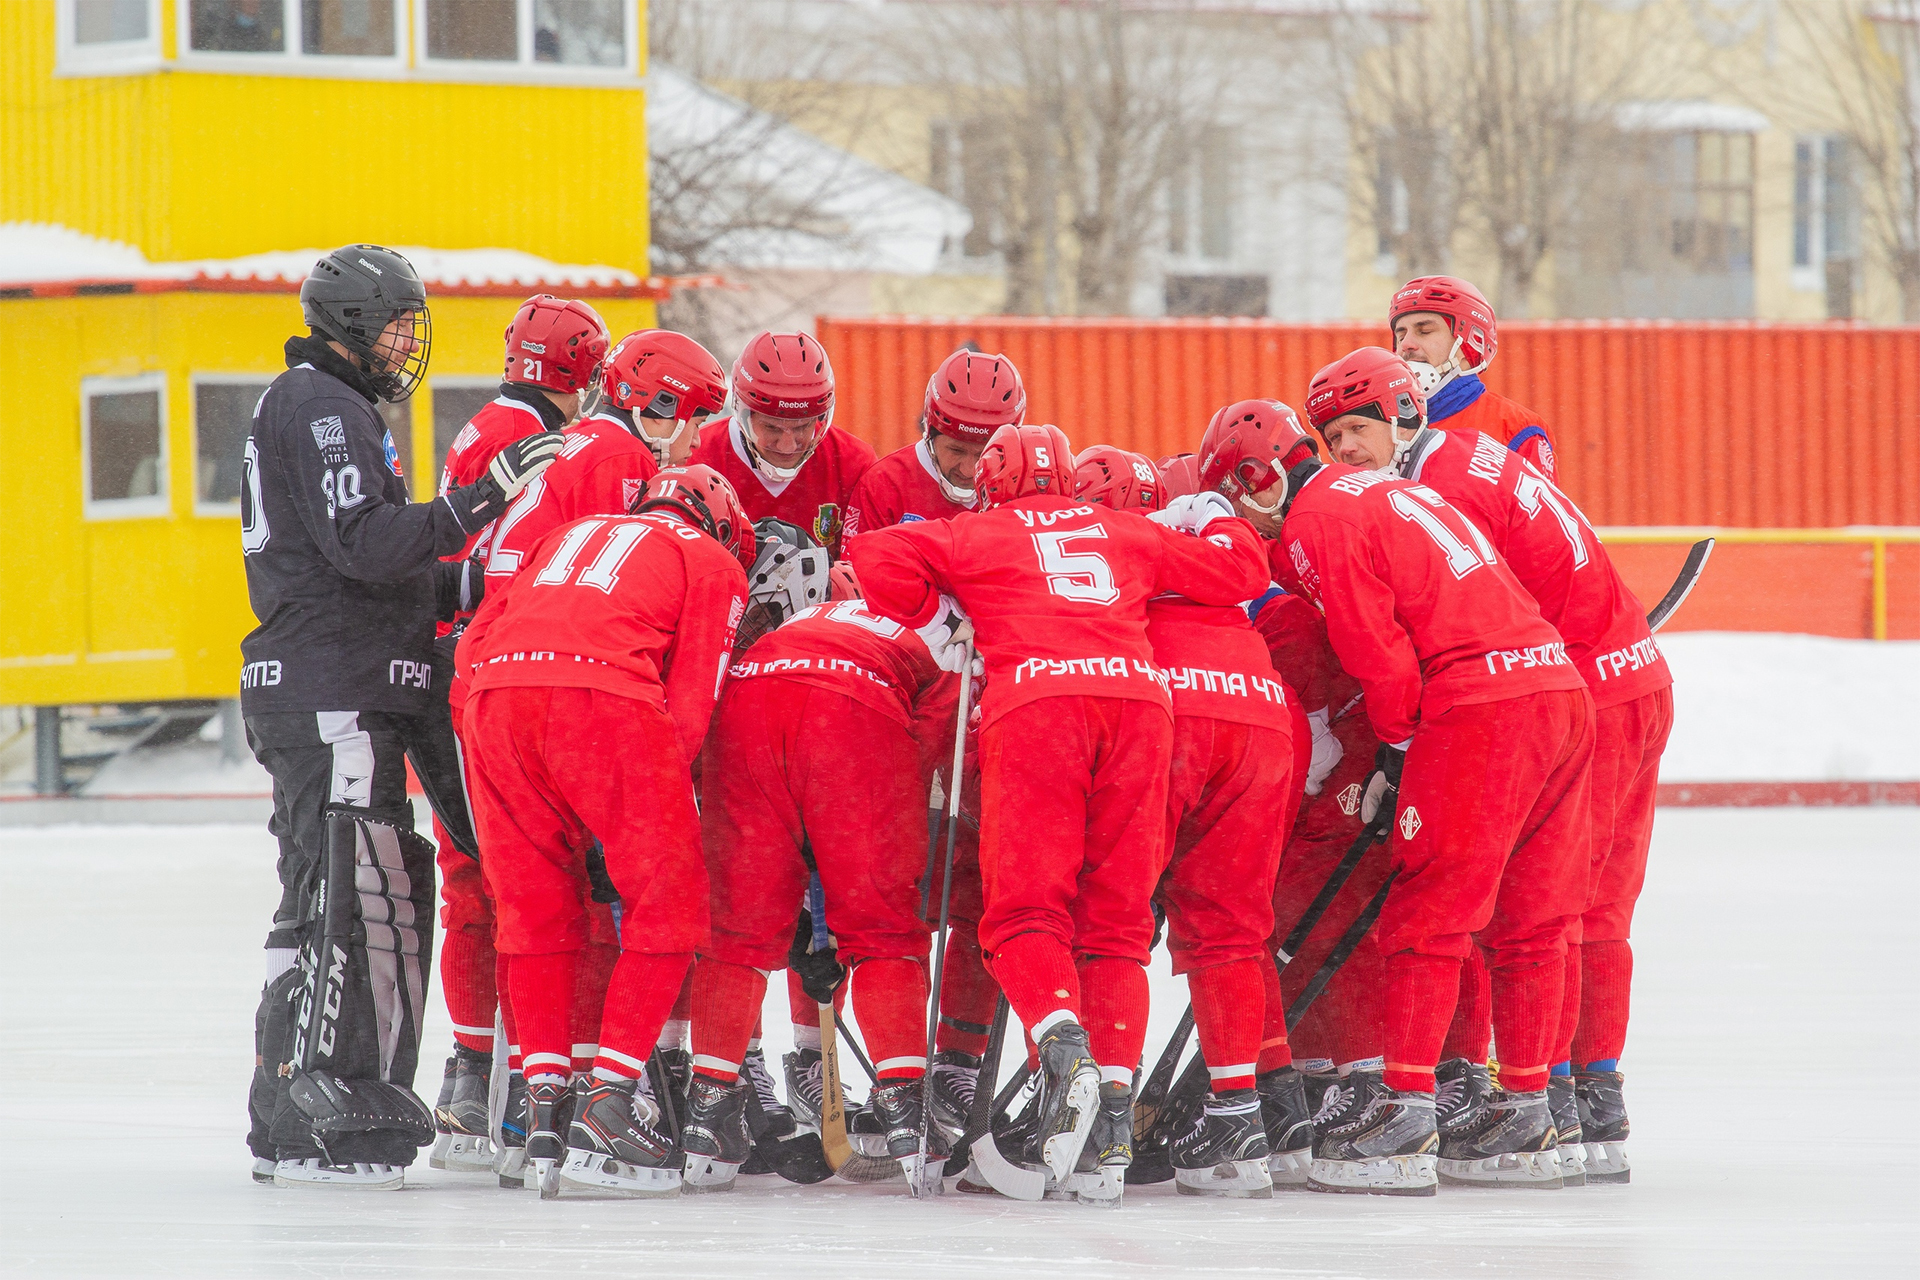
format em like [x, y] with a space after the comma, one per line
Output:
[123, 446]
[565, 33]
[295, 28]
[223, 408]
[454, 401]
[96, 36]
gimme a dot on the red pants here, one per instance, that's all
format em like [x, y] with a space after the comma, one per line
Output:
[1229, 782]
[1491, 840]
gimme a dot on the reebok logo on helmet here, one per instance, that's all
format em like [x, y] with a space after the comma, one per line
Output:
[538, 348]
[369, 266]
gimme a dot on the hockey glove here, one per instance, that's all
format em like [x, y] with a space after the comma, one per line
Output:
[1193, 512]
[820, 971]
[1383, 784]
[524, 459]
[1327, 751]
[947, 636]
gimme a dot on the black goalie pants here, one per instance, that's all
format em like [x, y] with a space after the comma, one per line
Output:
[353, 1010]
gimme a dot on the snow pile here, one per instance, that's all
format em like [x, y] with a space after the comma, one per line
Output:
[35, 252]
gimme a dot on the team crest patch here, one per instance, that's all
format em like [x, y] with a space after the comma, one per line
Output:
[329, 433]
[826, 524]
[1350, 799]
[393, 453]
[629, 490]
[1409, 823]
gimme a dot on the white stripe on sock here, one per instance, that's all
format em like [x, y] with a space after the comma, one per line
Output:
[918, 1060]
[484, 1033]
[712, 1063]
[1116, 1075]
[1227, 1073]
[624, 1059]
[1052, 1020]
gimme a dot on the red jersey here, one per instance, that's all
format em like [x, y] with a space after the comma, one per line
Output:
[596, 473]
[1465, 404]
[1419, 607]
[1555, 553]
[1216, 664]
[843, 648]
[514, 415]
[1057, 590]
[1295, 635]
[902, 487]
[642, 606]
[816, 499]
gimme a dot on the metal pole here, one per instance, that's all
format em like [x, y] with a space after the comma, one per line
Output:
[49, 774]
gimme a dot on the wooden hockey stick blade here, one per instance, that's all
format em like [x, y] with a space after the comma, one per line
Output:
[841, 1157]
[1682, 586]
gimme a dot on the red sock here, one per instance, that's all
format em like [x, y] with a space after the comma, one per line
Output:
[504, 986]
[1606, 982]
[542, 989]
[1275, 1052]
[468, 979]
[1472, 1028]
[1421, 991]
[1526, 1018]
[1569, 1007]
[1113, 1000]
[642, 993]
[589, 998]
[683, 1003]
[890, 999]
[1036, 971]
[1229, 1008]
[726, 1008]
[968, 994]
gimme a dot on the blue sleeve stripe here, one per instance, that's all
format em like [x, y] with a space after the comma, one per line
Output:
[1259, 602]
[1526, 434]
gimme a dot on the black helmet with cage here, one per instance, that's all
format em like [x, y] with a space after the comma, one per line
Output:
[353, 296]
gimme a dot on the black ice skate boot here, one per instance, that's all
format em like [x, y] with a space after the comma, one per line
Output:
[549, 1104]
[1289, 1124]
[954, 1074]
[1513, 1145]
[1565, 1110]
[1461, 1091]
[1603, 1125]
[898, 1106]
[1069, 1098]
[806, 1087]
[510, 1162]
[1372, 1140]
[463, 1143]
[715, 1136]
[1226, 1153]
[1099, 1177]
[612, 1149]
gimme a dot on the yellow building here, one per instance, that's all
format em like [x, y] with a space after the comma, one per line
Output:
[168, 171]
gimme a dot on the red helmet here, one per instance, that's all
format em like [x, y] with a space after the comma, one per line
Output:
[556, 343]
[1117, 478]
[1179, 476]
[970, 396]
[1468, 314]
[662, 374]
[784, 375]
[1022, 460]
[1251, 444]
[704, 498]
[1371, 381]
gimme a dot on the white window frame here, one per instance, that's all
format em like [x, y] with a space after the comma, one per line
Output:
[524, 68]
[112, 58]
[293, 61]
[224, 510]
[160, 503]
[1812, 277]
[452, 382]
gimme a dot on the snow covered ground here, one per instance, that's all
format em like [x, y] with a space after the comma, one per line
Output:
[1777, 1020]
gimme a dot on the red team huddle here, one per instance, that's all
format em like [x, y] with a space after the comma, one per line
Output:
[1357, 711]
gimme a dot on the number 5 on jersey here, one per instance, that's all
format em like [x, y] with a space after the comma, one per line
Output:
[1076, 575]
[603, 571]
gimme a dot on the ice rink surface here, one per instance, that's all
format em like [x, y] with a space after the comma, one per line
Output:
[1770, 1079]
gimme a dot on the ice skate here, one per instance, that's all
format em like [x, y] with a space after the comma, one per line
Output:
[1461, 1091]
[1099, 1177]
[898, 1106]
[1603, 1125]
[316, 1172]
[769, 1120]
[612, 1149]
[1069, 1097]
[510, 1162]
[263, 1170]
[548, 1106]
[462, 1143]
[806, 1087]
[954, 1074]
[1372, 1140]
[1226, 1153]
[1565, 1110]
[1289, 1125]
[715, 1137]
[1512, 1146]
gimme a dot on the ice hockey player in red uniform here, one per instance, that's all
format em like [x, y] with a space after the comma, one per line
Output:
[1232, 771]
[813, 753]
[1444, 328]
[778, 447]
[593, 678]
[1558, 558]
[554, 348]
[1075, 745]
[1486, 742]
[969, 397]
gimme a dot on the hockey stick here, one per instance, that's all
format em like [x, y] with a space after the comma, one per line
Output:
[1341, 953]
[1153, 1092]
[663, 1093]
[1336, 880]
[981, 1112]
[936, 808]
[859, 1054]
[1682, 585]
[841, 1157]
[917, 1184]
[1002, 1175]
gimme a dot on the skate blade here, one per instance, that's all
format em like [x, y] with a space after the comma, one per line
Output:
[1061, 1152]
[1518, 1171]
[263, 1171]
[1573, 1165]
[705, 1175]
[364, 1177]
[924, 1181]
[1606, 1163]
[595, 1175]
[1230, 1180]
[1100, 1187]
[463, 1153]
[1289, 1169]
[511, 1165]
[540, 1177]
[1387, 1176]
